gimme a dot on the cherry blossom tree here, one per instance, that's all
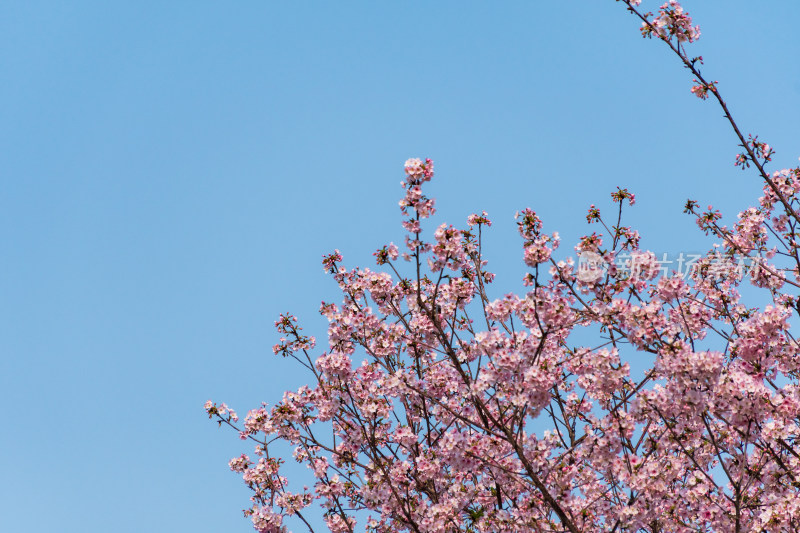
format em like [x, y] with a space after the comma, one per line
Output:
[425, 410]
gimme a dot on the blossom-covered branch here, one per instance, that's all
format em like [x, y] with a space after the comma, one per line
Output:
[436, 406]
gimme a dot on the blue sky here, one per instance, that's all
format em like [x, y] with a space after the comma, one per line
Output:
[172, 173]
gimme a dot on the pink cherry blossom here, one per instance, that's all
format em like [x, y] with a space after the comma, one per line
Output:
[609, 394]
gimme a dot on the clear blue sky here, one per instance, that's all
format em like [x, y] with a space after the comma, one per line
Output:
[172, 173]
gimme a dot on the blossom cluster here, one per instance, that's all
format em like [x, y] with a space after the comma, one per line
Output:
[435, 420]
[618, 395]
[672, 22]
